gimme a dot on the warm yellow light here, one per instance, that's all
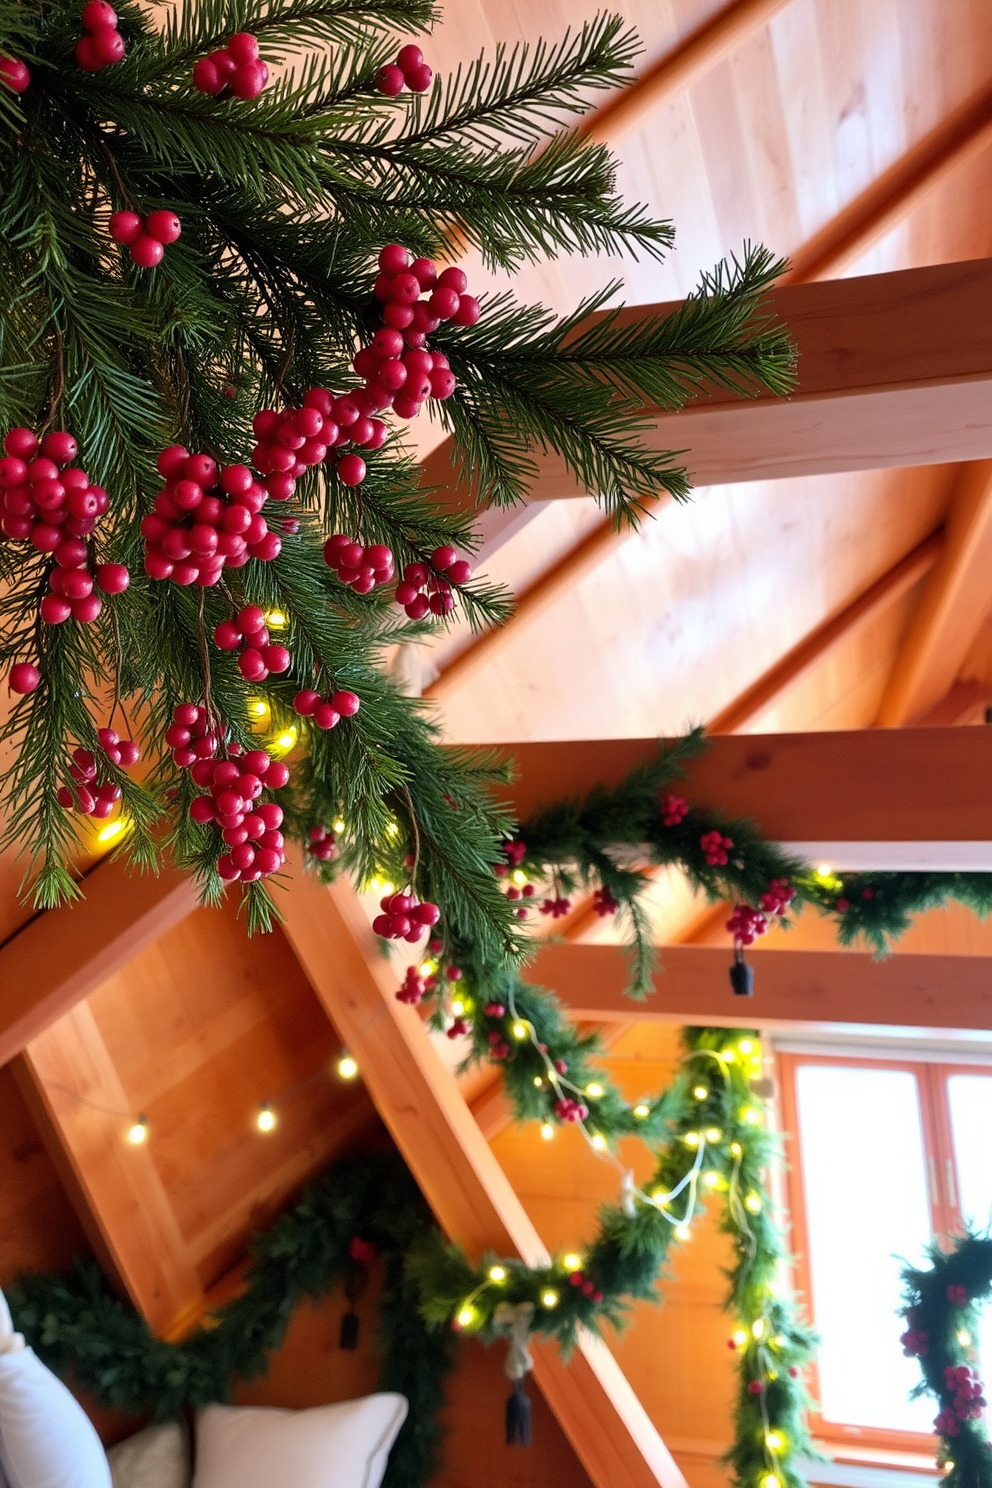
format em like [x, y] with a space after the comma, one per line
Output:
[457, 1007]
[594, 1090]
[770, 1480]
[466, 1316]
[497, 1273]
[774, 1441]
[825, 870]
[700, 1092]
[745, 1046]
[392, 829]
[347, 1067]
[571, 1262]
[660, 1198]
[257, 707]
[682, 1232]
[138, 1132]
[751, 1116]
[780, 1339]
[712, 1180]
[427, 968]
[276, 620]
[519, 877]
[736, 1149]
[338, 825]
[713, 1134]
[691, 1139]
[948, 1465]
[547, 1131]
[286, 740]
[729, 1055]
[266, 1119]
[753, 1203]
[642, 1111]
[964, 1337]
[739, 1337]
[758, 1328]
[599, 1142]
[549, 1298]
[519, 1030]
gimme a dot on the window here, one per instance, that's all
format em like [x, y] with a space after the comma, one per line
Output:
[884, 1155]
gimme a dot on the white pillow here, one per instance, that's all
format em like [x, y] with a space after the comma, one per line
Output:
[46, 1438]
[156, 1458]
[346, 1445]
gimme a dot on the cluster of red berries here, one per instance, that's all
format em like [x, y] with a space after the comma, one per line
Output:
[206, 519]
[588, 1288]
[842, 904]
[603, 903]
[405, 918]
[746, 924]
[674, 810]
[557, 907]
[957, 1295]
[527, 891]
[498, 1046]
[567, 1109]
[427, 590]
[778, 896]
[87, 794]
[915, 1343]
[326, 713]
[146, 237]
[103, 45]
[14, 74]
[458, 1028]
[322, 844]
[494, 1010]
[408, 71]
[54, 504]
[514, 852]
[968, 1401]
[293, 440]
[247, 632]
[362, 1251]
[716, 848]
[359, 567]
[236, 69]
[414, 987]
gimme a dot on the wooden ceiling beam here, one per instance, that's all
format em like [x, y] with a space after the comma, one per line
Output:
[825, 990]
[420, 1103]
[957, 597]
[61, 956]
[82, 1112]
[911, 798]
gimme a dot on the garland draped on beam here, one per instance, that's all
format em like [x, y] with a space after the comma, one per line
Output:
[714, 1144]
[941, 1314]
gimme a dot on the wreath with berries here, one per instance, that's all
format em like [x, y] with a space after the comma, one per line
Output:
[941, 1315]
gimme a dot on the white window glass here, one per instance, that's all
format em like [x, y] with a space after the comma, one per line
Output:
[970, 1101]
[867, 1214]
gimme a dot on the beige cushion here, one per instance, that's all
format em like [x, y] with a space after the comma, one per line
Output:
[343, 1445]
[156, 1458]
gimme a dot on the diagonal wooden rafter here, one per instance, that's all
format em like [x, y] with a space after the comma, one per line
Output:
[957, 597]
[420, 1103]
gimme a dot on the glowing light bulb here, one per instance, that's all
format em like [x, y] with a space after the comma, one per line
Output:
[739, 1337]
[700, 1092]
[347, 1067]
[549, 1298]
[113, 830]
[519, 1031]
[138, 1133]
[736, 1149]
[286, 740]
[660, 1198]
[427, 968]
[387, 886]
[770, 1480]
[497, 1273]
[780, 1339]
[257, 708]
[753, 1203]
[457, 1007]
[691, 1139]
[948, 1465]
[825, 870]
[571, 1262]
[338, 824]
[712, 1180]
[751, 1116]
[519, 877]
[642, 1111]
[682, 1232]
[729, 1055]
[466, 1316]
[594, 1090]
[964, 1337]
[547, 1131]
[758, 1328]
[276, 620]
[774, 1441]
[713, 1134]
[745, 1046]
[599, 1142]
[392, 829]
[266, 1119]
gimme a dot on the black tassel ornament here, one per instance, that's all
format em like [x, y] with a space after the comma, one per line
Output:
[518, 1416]
[513, 1320]
[741, 975]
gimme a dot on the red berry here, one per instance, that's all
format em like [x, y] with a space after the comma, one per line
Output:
[86, 55]
[207, 77]
[277, 659]
[248, 80]
[145, 251]
[444, 303]
[468, 311]
[24, 677]
[442, 558]
[172, 460]
[351, 470]
[125, 227]
[389, 80]
[345, 703]
[54, 610]
[106, 46]
[227, 636]
[59, 447]
[14, 74]
[87, 609]
[97, 14]
[409, 57]
[443, 383]
[163, 226]
[112, 578]
[419, 79]
[326, 717]
[404, 289]
[394, 259]
[243, 47]
[460, 572]
[453, 278]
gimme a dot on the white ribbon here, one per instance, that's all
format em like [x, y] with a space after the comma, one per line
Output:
[513, 1319]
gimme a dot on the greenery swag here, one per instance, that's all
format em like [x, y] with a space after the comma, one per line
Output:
[712, 1142]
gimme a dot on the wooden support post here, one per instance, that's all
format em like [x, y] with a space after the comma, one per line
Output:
[421, 1105]
[61, 956]
[909, 798]
[81, 1108]
[823, 990]
[956, 600]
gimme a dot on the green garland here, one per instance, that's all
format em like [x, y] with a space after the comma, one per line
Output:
[715, 1145]
[941, 1316]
